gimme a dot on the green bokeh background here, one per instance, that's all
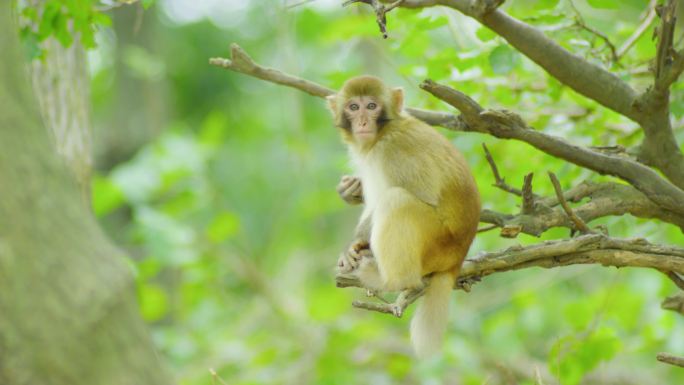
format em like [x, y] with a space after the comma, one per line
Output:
[221, 189]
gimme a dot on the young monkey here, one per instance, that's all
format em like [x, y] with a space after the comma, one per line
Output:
[422, 205]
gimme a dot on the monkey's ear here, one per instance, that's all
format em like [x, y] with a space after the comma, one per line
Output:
[332, 103]
[397, 95]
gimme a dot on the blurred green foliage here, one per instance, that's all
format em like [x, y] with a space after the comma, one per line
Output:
[230, 215]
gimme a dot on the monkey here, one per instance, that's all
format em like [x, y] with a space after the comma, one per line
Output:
[421, 203]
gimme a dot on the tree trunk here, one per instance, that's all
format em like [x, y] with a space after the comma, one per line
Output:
[68, 312]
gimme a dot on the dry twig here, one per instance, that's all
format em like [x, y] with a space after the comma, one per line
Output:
[380, 11]
[670, 359]
[579, 223]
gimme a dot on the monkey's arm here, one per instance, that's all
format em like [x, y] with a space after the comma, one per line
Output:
[350, 189]
[360, 246]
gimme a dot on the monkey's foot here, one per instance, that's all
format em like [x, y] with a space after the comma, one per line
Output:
[351, 259]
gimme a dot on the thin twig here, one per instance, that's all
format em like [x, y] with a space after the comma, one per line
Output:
[670, 359]
[297, 4]
[650, 16]
[675, 278]
[528, 197]
[216, 378]
[579, 21]
[579, 223]
[380, 11]
[499, 181]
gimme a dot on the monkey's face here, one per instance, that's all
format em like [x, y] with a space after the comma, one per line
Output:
[363, 114]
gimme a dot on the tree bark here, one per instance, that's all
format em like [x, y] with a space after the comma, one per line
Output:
[67, 299]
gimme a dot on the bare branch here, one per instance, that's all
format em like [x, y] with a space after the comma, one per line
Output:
[380, 11]
[505, 124]
[585, 249]
[579, 21]
[241, 62]
[643, 27]
[605, 199]
[579, 223]
[628, 201]
[670, 359]
[577, 73]
[498, 180]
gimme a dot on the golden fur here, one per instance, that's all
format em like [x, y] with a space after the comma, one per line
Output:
[422, 204]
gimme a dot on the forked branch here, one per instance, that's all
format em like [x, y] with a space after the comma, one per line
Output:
[660, 197]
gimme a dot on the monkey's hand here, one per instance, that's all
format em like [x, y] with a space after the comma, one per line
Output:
[350, 189]
[350, 259]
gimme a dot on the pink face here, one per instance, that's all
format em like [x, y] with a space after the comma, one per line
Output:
[363, 113]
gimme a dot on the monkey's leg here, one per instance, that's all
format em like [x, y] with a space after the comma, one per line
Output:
[403, 226]
[368, 274]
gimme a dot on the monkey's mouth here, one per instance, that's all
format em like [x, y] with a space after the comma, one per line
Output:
[364, 133]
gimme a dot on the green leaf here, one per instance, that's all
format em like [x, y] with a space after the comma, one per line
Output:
[223, 227]
[605, 4]
[154, 303]
[503, 59]
[106, 196]
[102, 19]
[545, 4]
[46, 26]
[485, 34]
[61, 30]
[147, 3]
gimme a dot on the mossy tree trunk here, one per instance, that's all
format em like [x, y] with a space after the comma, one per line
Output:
[68, 312]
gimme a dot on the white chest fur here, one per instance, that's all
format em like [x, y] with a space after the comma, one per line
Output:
[374, 182]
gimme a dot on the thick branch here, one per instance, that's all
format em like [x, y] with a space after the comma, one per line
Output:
[505, 124]
[660, 148]
[577, 73]
[649, 110]
[585, 249]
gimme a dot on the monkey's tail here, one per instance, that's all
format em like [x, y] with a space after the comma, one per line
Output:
[430, 320]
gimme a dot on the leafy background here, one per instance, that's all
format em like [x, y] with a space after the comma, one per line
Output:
[221, 189]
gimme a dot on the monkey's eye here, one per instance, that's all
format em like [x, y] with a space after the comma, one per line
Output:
[371, 106]
[353, 106]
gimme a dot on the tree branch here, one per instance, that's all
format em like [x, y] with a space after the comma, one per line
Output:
[242, 63]
[650, 110]
[605, 199]
[626, 201]
[577, 73]
[585, 249]
[505, 124]
[670, 359]
[659, 148]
